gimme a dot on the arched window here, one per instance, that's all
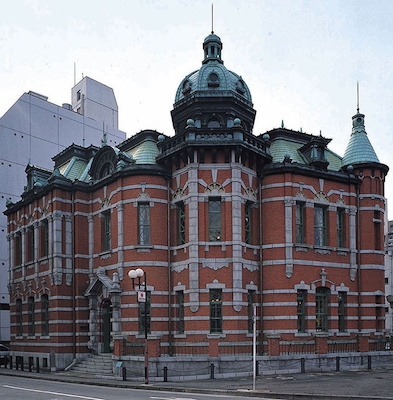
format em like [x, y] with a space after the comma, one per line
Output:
[31, 316]
[45, 315]
[19, 321]
[322, 296]
[106, 169]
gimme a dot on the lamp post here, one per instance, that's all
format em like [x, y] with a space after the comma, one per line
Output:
[133, 274]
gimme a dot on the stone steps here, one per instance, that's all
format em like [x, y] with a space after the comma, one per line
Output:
[94, 365]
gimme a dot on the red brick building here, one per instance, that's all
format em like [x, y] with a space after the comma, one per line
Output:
[222, 222]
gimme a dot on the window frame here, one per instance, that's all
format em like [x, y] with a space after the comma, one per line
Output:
[300, 212]
[44, 238]
[19, 317]
[18, 249]
[248, 222]
[30, 244]
[143, 223]
[215, 311]
[340, 227]
[322, 297]
[320, 225]
[341, 311]
[301, 310]
[215, 219]
[31, 316]
[45, 315]
[181, 223]
[180, 311]
[106, 237]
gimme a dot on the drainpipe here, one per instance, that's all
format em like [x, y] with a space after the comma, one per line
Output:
[169, 269]
[260, 262]
[358, 255]
[73, 272]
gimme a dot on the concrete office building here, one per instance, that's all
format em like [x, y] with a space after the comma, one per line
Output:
[32, 131]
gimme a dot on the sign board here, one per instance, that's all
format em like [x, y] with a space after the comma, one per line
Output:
[142, 297]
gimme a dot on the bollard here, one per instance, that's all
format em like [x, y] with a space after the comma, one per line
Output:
[10, 362]
[337, 363]
[211, 371]
[302, 365]
[257, 368]
[37, 365]
[124, 373]
[368, 362]
[22, 365]
[165, 374]
[30, 364]
[17, 363]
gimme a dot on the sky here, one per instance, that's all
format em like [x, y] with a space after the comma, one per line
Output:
[301, 59]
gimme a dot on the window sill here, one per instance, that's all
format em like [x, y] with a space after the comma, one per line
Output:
[144, 248]
[216, 336]
[45, 337]
[104, 255]
[323, 250]
[342, 334]
[302, 334]
[179, 335]
[302, 247]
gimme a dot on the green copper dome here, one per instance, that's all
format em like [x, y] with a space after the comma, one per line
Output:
[359, 149]
[213, 78]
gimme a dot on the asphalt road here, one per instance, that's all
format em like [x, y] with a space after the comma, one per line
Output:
[19, 388]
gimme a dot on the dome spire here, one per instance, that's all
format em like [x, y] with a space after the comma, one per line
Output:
[359, 149]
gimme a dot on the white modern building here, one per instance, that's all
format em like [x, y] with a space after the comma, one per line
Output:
[32, 131]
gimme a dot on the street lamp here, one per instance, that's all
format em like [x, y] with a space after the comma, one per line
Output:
[133, 274]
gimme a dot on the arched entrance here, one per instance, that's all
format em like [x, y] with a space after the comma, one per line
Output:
[106, 327]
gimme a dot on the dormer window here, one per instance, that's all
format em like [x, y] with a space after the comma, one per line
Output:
[213, 80]
[106, 170]
[186, 87]
[240, 86]
[214, 123]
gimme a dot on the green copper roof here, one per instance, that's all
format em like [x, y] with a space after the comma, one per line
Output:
[213, 78]
[359, 149]
[145, 153]
[280, 148]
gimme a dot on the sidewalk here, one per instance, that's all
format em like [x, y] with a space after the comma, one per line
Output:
[346, 385]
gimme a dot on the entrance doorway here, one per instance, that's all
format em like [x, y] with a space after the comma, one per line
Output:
[106, 325]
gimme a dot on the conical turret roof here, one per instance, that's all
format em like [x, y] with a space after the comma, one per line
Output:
[359, 149]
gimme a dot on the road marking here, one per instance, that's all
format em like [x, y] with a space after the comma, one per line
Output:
[55, 393]
[172, 398]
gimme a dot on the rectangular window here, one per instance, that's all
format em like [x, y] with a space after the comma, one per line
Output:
[106, 230]
[19, 318]
[180, 311]
[215, 311]
[31, 315]
[300, 227]
[342, 300]
[44, 238]
[18, 249]
[30, 244]
[215, 219]
[301, 310]
[379, 309]
[319, 226]
[181, 223]
[322, 309]
[251, 295]
[377, 230]
[45, 315]
[144, 314]
[247, 222]
[144, 223]
[340, 227]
